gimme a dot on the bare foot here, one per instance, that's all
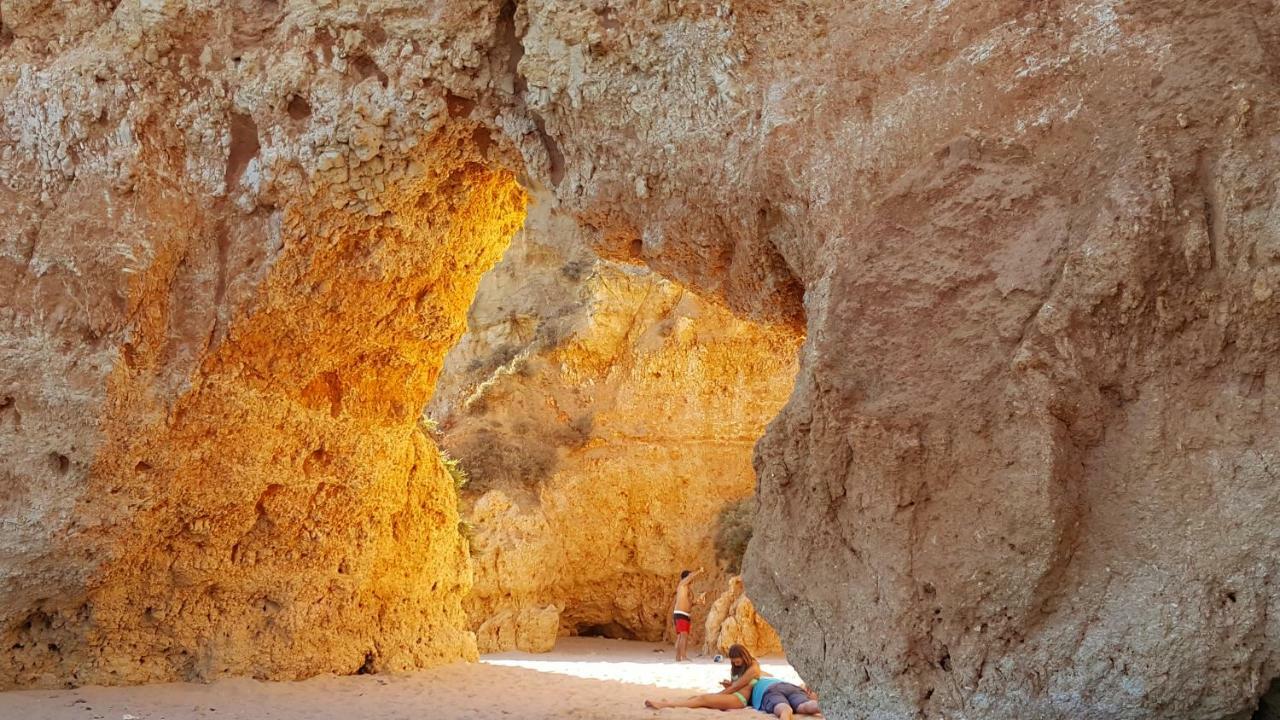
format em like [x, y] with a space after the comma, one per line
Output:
[652, 705]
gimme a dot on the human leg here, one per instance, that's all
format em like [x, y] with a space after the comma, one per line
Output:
[775, 703]
[797, 698]
[683, 625]
[808, 707]
[715, 701]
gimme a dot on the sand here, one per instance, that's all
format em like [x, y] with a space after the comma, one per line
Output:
[583, 678]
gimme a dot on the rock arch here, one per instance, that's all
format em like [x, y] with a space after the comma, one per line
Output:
[1032, 444]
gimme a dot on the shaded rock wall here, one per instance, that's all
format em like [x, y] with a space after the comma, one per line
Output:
[1031, 451]
[1269, 704]
[604, 416]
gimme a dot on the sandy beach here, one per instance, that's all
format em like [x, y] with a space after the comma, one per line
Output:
[584, 678]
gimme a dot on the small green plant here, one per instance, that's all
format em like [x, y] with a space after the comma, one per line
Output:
[431, 429]
[455, 470]
[733, 532]
[428, 425]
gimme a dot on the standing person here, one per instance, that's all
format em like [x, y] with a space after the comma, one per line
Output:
[744, 671]
[682, 612]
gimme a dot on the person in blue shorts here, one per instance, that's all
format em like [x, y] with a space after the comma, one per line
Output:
[783, 700]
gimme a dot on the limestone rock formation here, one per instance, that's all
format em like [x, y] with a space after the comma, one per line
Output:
[529, 628]
[733, 619]
[233, 257]
[605, 416]
[1029, 466]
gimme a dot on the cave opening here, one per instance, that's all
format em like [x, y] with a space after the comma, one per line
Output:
[294, 511]
[268, 498]
[1028, 469]
[600, 421]
[609, 631]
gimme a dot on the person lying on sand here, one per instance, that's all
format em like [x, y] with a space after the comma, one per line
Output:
[784, 700]
[744, 671]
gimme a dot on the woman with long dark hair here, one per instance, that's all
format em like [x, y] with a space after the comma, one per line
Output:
[744, 671]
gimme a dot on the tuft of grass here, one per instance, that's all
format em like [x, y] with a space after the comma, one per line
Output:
[455, 470]
[733, 532]
[431, 429]
[429, 425]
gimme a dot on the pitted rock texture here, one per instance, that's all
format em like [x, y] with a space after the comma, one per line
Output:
[1029, 466]
[234, 256]
[528, 628]
[733, 620]
[1028, 470]
[1031, 453]
[604, 416]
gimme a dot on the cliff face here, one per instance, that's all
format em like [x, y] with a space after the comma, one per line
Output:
[732, 620]
[1030, 451]
[232, 268]
[1028, 467]
[604, 416]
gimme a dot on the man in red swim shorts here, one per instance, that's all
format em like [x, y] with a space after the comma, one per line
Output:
[682, 612]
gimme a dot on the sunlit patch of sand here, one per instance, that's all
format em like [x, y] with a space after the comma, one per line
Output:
[584, 679]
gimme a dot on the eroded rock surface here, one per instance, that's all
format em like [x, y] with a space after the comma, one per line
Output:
[234, 255]
[605, 416]
[732, 619]
[1029, 466]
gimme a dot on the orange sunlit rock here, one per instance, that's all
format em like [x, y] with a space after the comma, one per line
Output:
[283, 515]
[605, 417]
